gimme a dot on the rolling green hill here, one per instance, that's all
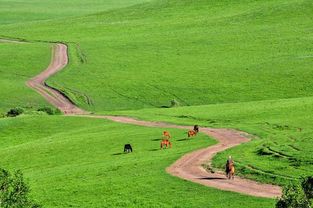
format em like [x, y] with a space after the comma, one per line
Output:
[78, 162]
[196, 52]
[228, 63]
[16, 12]
[20, 62]
[281, 153]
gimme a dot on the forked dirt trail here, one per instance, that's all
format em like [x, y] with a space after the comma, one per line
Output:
[189, 166]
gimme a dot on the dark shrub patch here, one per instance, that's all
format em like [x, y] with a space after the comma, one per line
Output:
[50, 111]
[15, 112]
[307, 185]
[297, 195]
[293, 197]
[14, 192]
[174, 103]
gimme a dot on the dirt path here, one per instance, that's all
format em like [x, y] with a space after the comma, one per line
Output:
[188, 167]
[59, 60]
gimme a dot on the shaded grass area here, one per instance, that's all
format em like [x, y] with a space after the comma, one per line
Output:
[196, 52]
[20, 62]
[282, 150]
[78, 162]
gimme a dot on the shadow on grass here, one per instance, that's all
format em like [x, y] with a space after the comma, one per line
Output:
[120, 153]
[180, 140]
[155, 139]
[212, 178]
[155, 149]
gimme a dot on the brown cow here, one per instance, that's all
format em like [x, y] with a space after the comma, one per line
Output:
[166, 143]
[166, 134]
[192, 133]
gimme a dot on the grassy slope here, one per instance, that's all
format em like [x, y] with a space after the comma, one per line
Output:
[19, 62]
[22, 11]
[196, 52]
[281, 153]
[77, 162]
[143, 56]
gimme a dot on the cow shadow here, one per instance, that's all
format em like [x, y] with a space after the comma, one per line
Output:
[120, 153]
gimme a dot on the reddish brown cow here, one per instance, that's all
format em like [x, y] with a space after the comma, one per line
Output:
[192, 133]
[166, 134]
[166, 143]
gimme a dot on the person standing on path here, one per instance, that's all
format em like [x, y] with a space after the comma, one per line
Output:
[229, 162]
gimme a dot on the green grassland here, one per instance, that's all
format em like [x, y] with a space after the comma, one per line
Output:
[78, 162]
[12, 11]
[238, 64]
[196, 52]
[20, 62]
[282, 152]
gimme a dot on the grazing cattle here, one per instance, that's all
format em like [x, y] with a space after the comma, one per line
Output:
[128, 148]
[166, 134]
[166, 143]
[192, 133]
[196, 128]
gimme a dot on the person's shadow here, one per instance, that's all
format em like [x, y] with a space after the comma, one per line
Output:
[212, 178]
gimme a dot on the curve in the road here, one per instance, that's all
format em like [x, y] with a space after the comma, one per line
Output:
[189, 166]
[59, 60]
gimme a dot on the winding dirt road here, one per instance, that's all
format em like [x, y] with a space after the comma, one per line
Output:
[59, 60]
[189, 166]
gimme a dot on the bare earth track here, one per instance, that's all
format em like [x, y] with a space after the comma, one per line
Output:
[189, 166]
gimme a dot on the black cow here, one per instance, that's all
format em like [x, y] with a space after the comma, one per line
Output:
[196, 128]
[128, 148]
